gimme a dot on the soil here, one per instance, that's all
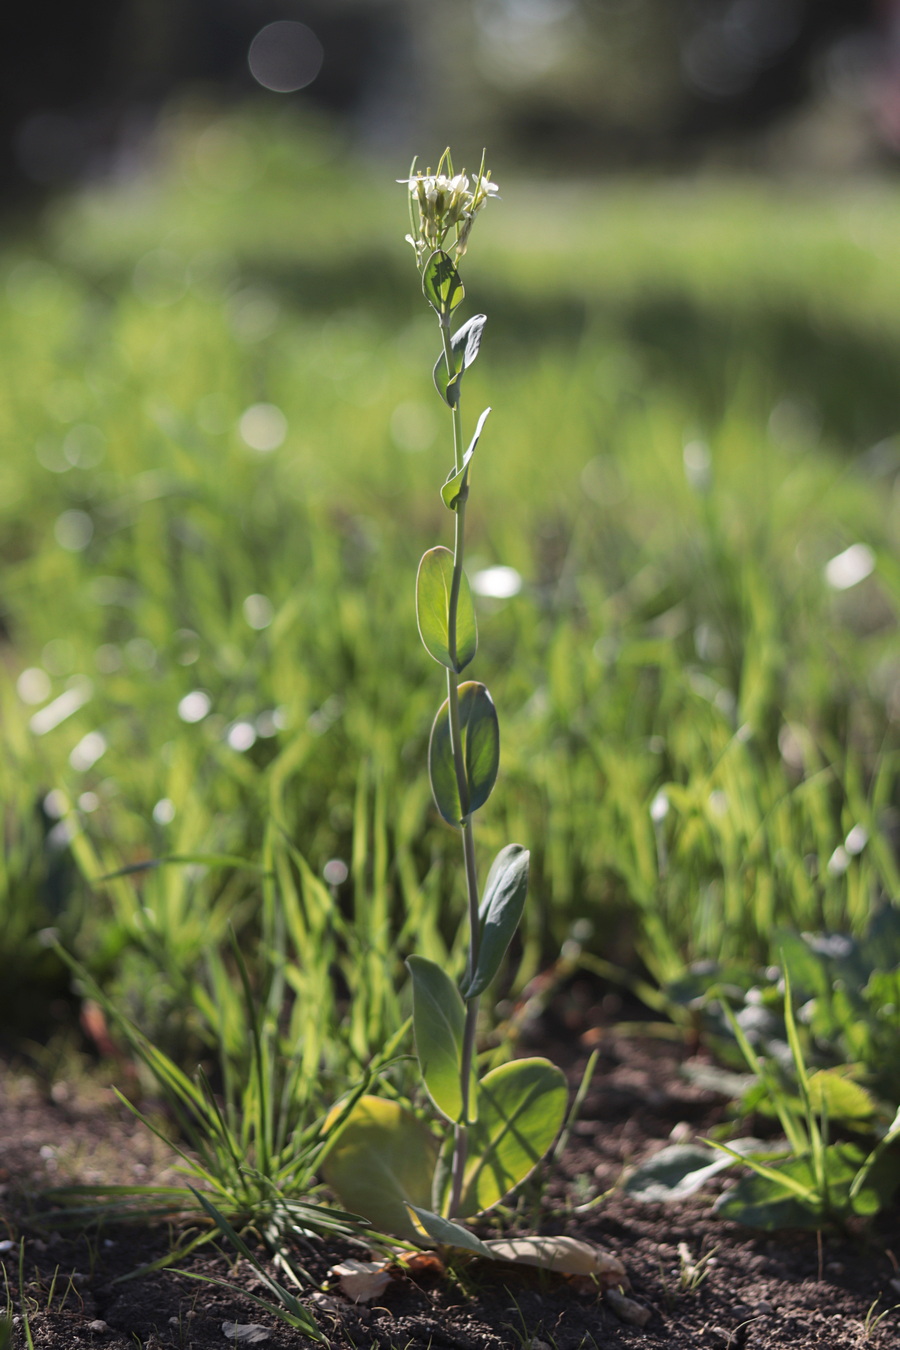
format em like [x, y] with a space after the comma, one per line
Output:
[757, 1291]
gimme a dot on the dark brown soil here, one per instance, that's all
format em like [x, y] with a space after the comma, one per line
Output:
[759, 1291]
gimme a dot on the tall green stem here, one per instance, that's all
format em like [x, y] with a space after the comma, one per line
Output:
[468, 838]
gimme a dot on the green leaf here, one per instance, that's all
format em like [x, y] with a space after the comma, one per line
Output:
[381, 1162]
[499, 913]
[439, 1017]
[521, 1107]
[457, 481]
[681, 1170]
[442, 284]
[450, 1234]
[480, 733]
[786, 1195]
[433, 586]
[833, 1094]
[464, 347]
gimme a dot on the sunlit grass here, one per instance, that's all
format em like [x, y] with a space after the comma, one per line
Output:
[696, 720]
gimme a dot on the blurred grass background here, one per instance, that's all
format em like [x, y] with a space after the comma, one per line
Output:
[222, 462]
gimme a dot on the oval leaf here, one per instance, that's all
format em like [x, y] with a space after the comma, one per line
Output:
[442, 284]
[480, 733]
[682, 1169]
[433, 589]
[439, 1017]
[521, 1107]
[382, 1161]
[499, 913]
[458, 479]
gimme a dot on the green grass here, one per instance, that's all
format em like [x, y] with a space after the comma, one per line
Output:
[670, 636]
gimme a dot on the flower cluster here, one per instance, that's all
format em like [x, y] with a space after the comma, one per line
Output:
[444, 205]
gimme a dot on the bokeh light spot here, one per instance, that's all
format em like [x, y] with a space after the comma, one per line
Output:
[241, 736]
[88, 751]
[164, 811]
[500, 583]
[194, 706]
[263, 427]
[74, 530]
[850, 567]
[285, 56]
[33, 685]
[258, 611]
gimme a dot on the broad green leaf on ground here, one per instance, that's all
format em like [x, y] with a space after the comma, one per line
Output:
[499, 913]
[681, 1170]
[521, 1107]
[775, 1201]
[442, 284]
[457, 479]
[439, 1016]
[382, 1161]
[433, 588]
[480, 733]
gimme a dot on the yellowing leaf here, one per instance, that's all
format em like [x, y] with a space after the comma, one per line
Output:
[382, 1160]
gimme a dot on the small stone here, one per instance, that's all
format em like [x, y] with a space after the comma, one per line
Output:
[626, 1309]
[98, 1327]
[764, 1308]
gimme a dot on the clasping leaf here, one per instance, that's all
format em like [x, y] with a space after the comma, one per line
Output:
[464, 346]
[433, 586]
[439, 1016]
[480, 734]
[499, 913]
[442, 284]
[456, 482]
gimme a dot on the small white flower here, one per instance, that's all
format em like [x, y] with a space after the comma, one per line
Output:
[445, 202]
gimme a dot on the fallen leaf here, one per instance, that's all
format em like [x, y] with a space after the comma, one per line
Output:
[421, 1263]
[249, 1333]
[361, 1281]
[566, 1255]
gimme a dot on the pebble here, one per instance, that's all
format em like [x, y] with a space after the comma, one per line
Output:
[626, 1309]
[98, 1327]
[764, 1308]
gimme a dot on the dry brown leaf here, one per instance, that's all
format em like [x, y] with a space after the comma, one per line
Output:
[422, 1263]
[361, 1281]
[566, 1255]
